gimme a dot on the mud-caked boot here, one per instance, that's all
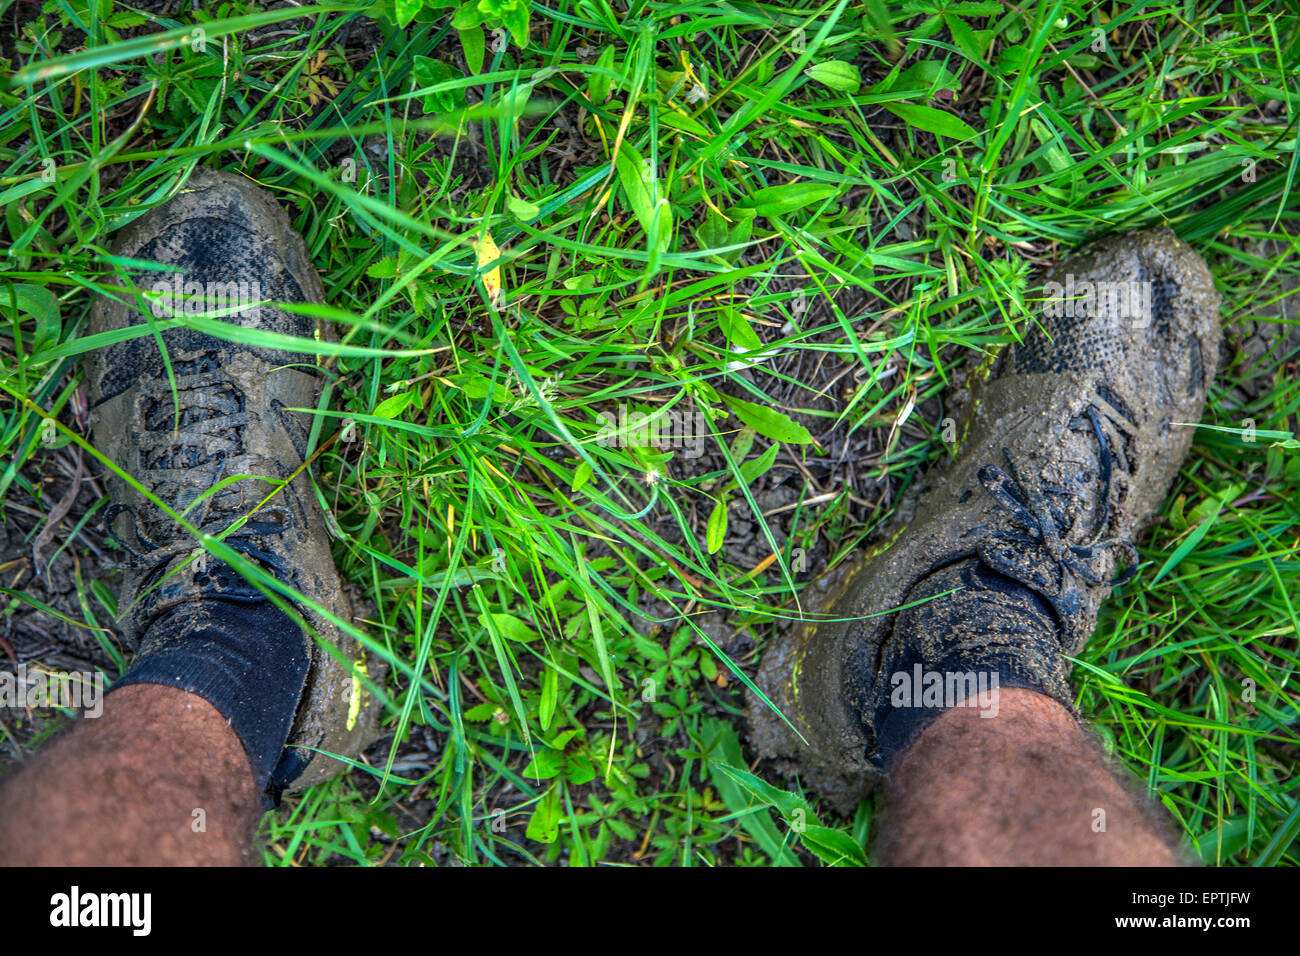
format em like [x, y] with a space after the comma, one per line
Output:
[1067, 444]
[212, 429]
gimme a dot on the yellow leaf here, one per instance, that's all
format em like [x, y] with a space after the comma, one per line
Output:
[354, 703]
[488, 252]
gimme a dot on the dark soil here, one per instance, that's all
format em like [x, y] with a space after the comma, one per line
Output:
[30, 635]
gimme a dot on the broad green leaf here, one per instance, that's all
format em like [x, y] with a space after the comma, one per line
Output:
[544, 765]
[633, 174]
[578, 769]
[717, 527]
[838, 75]
[508, 625]
[385, 268]
[683, 123]
[725, 753]
[742, 443]
[931, 120]
[522, 208]
[833, 846]
[406, 10]
[544, 824]
[751, 471]
[780, 200]
[581, 475]
[394, 405]
[965, 38]
[920, 80]
[430, 72]
[600, 82]
[738, 331]
[768, 421]
[477, 387]
[474, 45]
[468, 15]
[785, 803]
[515, 17]
[550, 689]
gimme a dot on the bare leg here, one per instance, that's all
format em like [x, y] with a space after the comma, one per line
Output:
[1026, 787]
[159, 779]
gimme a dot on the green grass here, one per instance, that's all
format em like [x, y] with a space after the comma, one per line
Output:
[846, 202]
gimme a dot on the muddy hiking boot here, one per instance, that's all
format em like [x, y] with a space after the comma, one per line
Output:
[1002, 555]
[215, 450]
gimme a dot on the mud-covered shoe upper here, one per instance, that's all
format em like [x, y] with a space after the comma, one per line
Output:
[1067, 445]
[214, 434]
[1071, 441]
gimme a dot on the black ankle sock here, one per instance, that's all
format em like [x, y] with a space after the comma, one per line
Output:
[993, 633]
[249, 660]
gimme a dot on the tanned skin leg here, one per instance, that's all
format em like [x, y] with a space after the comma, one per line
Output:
[1019, 789]
[121, 790]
